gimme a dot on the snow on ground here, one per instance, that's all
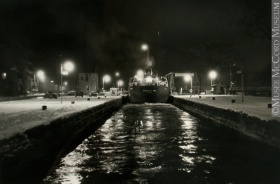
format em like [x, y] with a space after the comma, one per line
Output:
[19, 115]
[252, 105]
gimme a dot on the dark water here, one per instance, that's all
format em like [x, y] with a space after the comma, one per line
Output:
[159, 143]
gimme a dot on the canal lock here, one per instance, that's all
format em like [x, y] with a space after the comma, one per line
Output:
[51, 143]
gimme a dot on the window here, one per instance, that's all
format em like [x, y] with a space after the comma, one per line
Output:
[82, 78]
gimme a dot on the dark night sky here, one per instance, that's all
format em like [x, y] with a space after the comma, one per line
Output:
[105, 35]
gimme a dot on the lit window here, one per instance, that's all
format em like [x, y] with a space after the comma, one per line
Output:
[4, 75]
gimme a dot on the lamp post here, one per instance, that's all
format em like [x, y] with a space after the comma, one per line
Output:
[212, 75]
[189, 78]
[120, 83]
[242, 82]
[65, 68]
[106, 78]
[40, 76]
[145, 47]
[117, 74]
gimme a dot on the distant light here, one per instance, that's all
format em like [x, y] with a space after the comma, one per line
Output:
[117, 74]
[140, 73]
[65, 72]
[41, 75]
[144, 47]
[65, 83]
[149, 79]
[120, 82]
[138, 78]
[52, 81]
[4, 75]
[187, 78]
[212, 74]
[68, 66]
[106, 78]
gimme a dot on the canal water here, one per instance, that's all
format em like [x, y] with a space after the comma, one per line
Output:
[159, 143]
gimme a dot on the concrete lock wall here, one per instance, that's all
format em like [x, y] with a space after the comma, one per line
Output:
[265, 131]
[27, 156]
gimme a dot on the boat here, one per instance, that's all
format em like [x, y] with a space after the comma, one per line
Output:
[146, 87]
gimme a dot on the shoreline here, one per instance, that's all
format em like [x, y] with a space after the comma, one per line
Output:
[263, 129]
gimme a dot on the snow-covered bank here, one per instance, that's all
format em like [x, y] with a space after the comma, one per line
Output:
[252, 105]
[255, 124]
[27, 156]
[19, 115]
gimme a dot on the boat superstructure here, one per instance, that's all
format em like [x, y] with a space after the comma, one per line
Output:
[147, 87]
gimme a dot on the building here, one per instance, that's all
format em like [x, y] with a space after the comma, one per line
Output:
[219, 88]
[17, 80]
[88, 82]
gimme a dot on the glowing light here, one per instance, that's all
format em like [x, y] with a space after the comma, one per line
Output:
[120, 82]
[187, 78]
[106, 78]
[140, 73]
[41, 75]
[65, 68]
[138, 78]
[4, 75]
[212, 74]
[144, 47]
[149, 79]
[68, 66]
[65, 73]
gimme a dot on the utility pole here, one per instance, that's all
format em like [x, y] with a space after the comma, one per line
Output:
[242, 82]
[230, 75]
[61, 70]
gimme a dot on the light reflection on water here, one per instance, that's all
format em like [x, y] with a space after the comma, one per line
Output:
[149, 144]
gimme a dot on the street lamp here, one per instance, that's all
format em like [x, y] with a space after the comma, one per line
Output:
[117, 74]
[40, 76]
[212, 75]
[68, 66]
[106, 78]
[145, 47]
[65, 68]
[188, 78]
[120, 83]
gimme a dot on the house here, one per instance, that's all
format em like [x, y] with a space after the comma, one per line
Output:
[219, 88]
[88, 82]
[17, 80]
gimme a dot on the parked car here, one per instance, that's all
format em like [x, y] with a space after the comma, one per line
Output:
[50, 94]
[93, 93]
[79, 93]
[71, 93]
